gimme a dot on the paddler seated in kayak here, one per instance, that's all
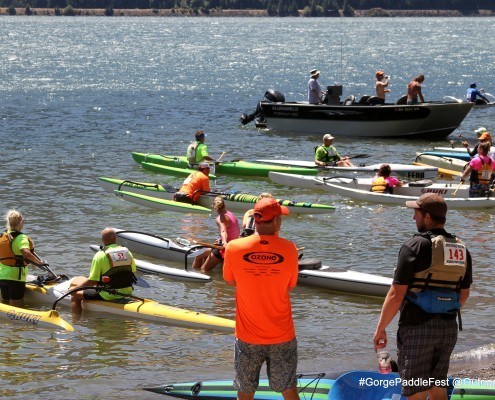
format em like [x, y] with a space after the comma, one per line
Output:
[472, 95]
[197, 151]
[228, 227]
[114, 263]
[16, 252]
[248, 225]
[196, 183]
[326, 154]
[383, 182]
[483, 136]
[480, 171]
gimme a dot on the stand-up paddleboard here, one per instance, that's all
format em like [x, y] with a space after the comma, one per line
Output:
[351, 385]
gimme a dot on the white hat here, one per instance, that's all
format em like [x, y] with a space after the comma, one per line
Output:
[480, 130]
[314, 72]
[328, 137]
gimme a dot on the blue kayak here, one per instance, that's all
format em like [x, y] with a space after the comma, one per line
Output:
[355, 385]
[460, 156]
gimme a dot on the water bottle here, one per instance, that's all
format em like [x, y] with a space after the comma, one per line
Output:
[384, 359]
[183, 241]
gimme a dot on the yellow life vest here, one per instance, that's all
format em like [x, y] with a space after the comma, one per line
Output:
[7, 256]
[379, 185]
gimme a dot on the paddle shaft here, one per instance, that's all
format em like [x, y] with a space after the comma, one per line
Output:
[211, 245]
[458, 187]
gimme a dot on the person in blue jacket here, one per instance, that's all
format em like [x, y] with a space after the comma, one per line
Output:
[472, 95]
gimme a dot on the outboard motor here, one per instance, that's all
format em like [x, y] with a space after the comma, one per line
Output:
[274, 96]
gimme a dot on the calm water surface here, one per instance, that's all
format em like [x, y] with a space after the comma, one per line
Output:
[79, 94]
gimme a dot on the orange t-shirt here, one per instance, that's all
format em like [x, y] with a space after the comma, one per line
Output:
[195, 182]
[263, 268]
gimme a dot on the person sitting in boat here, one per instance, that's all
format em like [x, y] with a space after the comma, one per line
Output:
[112, 263]
[16, 252]
[480, 171]
[483, 136]
[228, 228]
[383, 182]
[197, 151]
[381, 85]
[248, 225]
[414, 90]
[196, 183]
[315, 94]
[472, 95]
[326, 154]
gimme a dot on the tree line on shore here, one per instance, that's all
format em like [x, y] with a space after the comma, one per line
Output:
[310, 8]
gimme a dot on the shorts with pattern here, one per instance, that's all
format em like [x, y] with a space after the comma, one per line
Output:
[424, 352]
[281, 365]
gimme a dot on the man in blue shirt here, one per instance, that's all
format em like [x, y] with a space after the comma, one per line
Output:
[472, 94]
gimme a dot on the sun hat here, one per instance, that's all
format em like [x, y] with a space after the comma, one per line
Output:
[485, 136]
[199, 134]
[203, 165]
[314, 72]
[431, 203]
[328, 137]
[268, 208]
[480, 130]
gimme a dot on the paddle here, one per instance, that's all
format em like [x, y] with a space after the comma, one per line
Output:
[458, 187]
[221, 155]
[210, 245]
[491, 95]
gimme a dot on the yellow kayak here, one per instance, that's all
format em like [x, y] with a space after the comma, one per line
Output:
[134, 308]
[45, 319]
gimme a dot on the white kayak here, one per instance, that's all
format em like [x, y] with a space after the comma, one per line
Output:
[446, 165]
[168, 272]
[408, 189]
[345, 281]
[456, 150]
[134, 307]
[158, 247]
[403, 170]
[394, 199]
[161, 197]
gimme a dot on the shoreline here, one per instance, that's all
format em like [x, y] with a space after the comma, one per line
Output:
[381, 13]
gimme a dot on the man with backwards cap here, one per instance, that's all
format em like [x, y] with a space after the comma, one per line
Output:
[315, 93]
[472, 93]
[194, 185]
[263, 268]
[197, 151]
[431, 283]
[326, 154]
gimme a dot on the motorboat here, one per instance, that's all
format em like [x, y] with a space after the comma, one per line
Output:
[359, 118]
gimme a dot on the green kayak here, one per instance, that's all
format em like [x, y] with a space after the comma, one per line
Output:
[241, 168]
[165, 169]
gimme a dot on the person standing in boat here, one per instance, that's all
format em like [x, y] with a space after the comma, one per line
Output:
[196, 183]
[383, 182]
[315, 94]
[414, 90]
[228, 228]
[197, 151]
[264, 269]
[480, 172]
[472, 95]
[114, 262]
[327, 154]
[430, 286]
[381, 86]
[16, 252]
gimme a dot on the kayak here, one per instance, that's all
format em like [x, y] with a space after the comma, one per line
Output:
[242, 168]
[167, 170]
[404, 170]
[344, 281]
[445, 165]
[158, 247]
[168, 272]
[45, 319]
[161, 204]
[408, 189]
[394, 199]
[350, 385]
[233, 201]
[464, 155]
[456, 149]
[146, 309]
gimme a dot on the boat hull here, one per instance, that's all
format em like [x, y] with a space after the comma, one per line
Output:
[45, 319]
[145, 309]
[434, 120]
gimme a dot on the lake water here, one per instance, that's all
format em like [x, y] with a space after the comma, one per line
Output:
[79, 94]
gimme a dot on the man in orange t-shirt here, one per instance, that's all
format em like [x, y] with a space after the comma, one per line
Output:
[194, 185]
[264, 267]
